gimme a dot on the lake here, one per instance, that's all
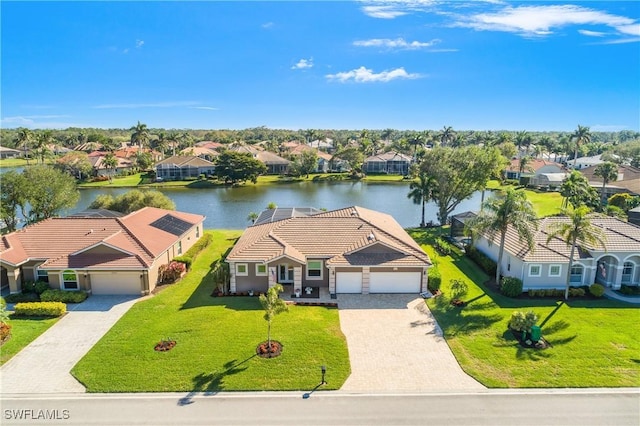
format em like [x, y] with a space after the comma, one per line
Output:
[228, 208]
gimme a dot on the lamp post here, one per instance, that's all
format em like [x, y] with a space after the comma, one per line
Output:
[324, 370]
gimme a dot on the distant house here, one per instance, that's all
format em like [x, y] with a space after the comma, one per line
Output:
[533, 168]
[200, 151]
[178, 167]
[584, 162]
[628, 180]
[458, 222]
[634, 215]
[98, 252]
[9, 152]
[546, 265]
[276, 165]
[99, 169]
[548, 180]
[324, 159]
[391, 162]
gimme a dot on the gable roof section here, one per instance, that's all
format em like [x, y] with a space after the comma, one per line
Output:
[184, 161]
[67, 242]
[534, 164]
[619, 236]
[329, 235]
[388, 156]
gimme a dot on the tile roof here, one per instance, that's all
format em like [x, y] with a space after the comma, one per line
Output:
[126, 242]
[388, 156]
[336, 235]
[619, 236]
[534, 164]
[184, 161]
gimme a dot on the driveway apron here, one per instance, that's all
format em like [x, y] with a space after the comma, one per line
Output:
[395, 344]
[44, 365]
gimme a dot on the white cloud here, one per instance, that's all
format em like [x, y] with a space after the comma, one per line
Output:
[139, 44]
[632, 29]
[147, 105]
[398, 43]
[208, 108]
[382, 12]
[37, 122]
[542, 20]
[365, 75]
[267, 25]
[391, 9]
[303, 64]
[592, 33]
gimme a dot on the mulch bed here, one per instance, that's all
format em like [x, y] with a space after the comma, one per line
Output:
[164, 345]
[264, 351]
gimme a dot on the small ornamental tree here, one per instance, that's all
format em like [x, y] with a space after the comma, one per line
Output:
[272, 305]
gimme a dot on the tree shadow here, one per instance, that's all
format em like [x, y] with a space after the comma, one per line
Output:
[213, 383]
[551, 314]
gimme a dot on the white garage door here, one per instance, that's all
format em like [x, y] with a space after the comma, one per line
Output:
[349, 282]
[394, 282]
[116, 283]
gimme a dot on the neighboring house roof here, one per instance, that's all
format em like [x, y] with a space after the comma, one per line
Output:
[584, 162]
[299, 149]
[279, 213]
[266, 157]
[551, 177]
[4, 149]
[200, 151]
[97, 161]
[618, 236]
[628, 178]
[464, 216]
[338, 236]
[132, 241]
[209, 145]
[185, 161]
[533, 165]
[97, 213]
[388, 156]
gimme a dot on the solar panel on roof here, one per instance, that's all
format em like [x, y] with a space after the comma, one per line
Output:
[172, 225]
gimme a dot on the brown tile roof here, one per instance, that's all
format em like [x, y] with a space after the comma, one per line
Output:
[127, 242]
[534, 164]
[266, 157]
[618, 236]
[337, 236]
[185, 160]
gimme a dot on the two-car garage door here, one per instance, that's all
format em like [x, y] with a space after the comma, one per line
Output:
[116, 283]
[379, 282]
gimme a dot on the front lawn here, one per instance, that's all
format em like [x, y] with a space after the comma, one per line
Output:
[23, 332]
[216, 342]
[594, 342]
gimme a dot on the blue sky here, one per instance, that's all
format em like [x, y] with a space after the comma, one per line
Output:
[472, 65]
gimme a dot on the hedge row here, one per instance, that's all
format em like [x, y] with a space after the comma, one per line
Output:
[434, 279]
[193, 252]
[63, 296]
[484, 262]
[40, 309]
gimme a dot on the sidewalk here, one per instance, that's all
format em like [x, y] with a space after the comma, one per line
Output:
[635, 300]
[44, 365]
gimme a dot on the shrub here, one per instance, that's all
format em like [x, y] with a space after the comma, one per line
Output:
[41, 287]
[63, 296]
[629, 290]
[596, 290]
[5, 331]
[458, 288]
[576, 292]
[29, 287]
[171, 272]
[487, 265]
[442, 247]
[22, 297]
[40, 309]
[521, 321]
[511, 286]
[434, 280]
[531, 292]
[184, 259]
[549, 292]
[193, 252]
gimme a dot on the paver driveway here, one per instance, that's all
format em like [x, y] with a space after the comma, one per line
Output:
[395, 344]
[44, 365]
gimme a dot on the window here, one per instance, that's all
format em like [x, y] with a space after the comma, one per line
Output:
[534, 270]
[314, 270]
[627, 271]
[179, 248]
[241, 269]
[42, 275]
[576, 274]
[261, 269]
[70, 280]
[197, 232]
[555, 270]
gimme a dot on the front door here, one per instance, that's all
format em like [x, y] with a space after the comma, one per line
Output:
[285, 274]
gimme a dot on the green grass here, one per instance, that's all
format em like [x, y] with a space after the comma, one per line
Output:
[594, 342]
[23, 332]
[216, 341]
[545, 203]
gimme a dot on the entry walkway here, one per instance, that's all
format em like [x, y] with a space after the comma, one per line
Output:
[44, 365]
[395, 344]
[617, 296]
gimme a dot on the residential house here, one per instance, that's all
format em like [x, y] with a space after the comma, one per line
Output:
[390, 162]
[324, 159]
[535, 167]
[634, 215]
[349, 250]
[546, 265]
[628, 180]
[202, 152]
[584, 162]
[99, 253]
[458, 223]
[9, 152]
[96, 159]
[276, 165]
[179, 167]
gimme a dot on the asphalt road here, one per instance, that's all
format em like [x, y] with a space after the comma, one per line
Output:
[492, 407]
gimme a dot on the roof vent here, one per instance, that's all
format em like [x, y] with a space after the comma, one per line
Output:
[354, 213]
[371, 237]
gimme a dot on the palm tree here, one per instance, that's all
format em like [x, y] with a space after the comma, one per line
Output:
[420, 192]
[252, 217]
[110, 162]
[578, 230]
[447, 135]
[140, 135]
[509, 209]
[576, 191]
[523, 165]
[581, 136]
[609, 173]
[42, 140]
[24, 138]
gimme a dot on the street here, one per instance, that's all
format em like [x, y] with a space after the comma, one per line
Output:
[492, 407]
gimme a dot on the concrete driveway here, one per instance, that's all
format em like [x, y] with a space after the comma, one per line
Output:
[44, 365]
[395, 344]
